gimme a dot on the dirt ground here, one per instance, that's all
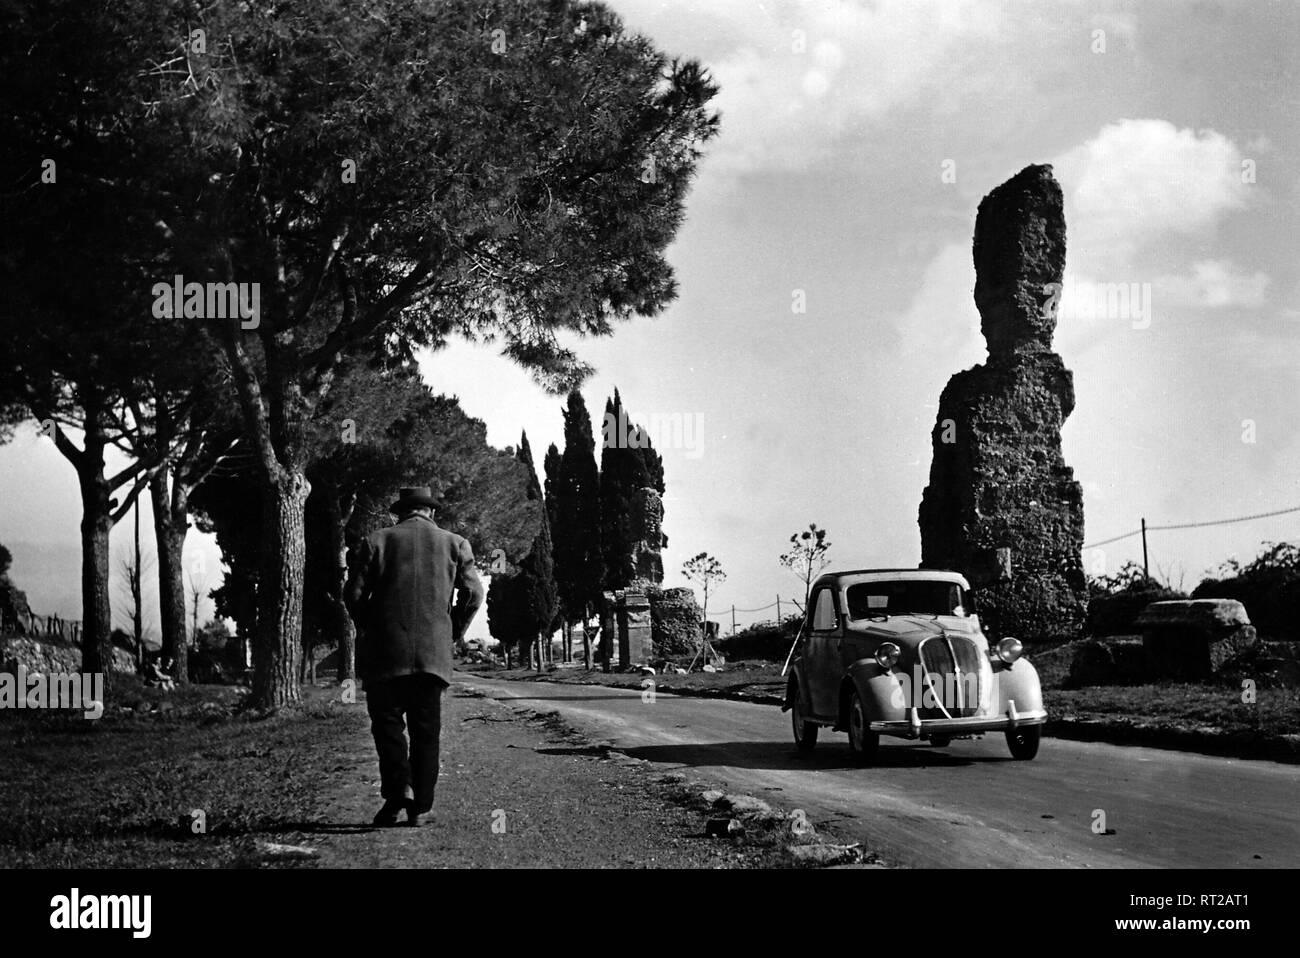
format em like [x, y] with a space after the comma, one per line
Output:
[517, 789]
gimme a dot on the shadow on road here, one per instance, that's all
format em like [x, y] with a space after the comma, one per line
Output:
[778, 756]
[507, 699]
[327, 828]
[598, 751]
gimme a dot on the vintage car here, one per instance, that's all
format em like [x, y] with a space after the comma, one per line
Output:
[900, 652]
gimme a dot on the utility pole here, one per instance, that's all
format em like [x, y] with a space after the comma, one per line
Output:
[778, 610]
[733, 620]
[1146, 572]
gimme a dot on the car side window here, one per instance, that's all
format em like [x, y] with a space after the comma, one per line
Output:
[824, 611]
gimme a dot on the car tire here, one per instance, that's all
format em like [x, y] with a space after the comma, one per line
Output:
[805, 733]
[863, 743]
[940, 741]
[1023, 741]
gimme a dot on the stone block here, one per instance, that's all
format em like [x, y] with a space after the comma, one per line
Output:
[1194, 638]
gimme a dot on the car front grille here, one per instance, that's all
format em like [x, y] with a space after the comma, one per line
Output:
[951, 667]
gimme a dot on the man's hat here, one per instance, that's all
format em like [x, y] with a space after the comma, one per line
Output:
[413, 497]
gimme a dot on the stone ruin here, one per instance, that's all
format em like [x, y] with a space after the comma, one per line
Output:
[1192, 639]
[675, 619]
[645, 621]
[1002, 507]
[625, 631]
[648, 527]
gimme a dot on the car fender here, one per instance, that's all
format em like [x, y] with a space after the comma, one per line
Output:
[795, 677]
[879, 690]
[1017, 683]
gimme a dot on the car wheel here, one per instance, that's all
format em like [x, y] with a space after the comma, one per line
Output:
[940, 741]
[1023, 741]
[805, 733]
[863, 742]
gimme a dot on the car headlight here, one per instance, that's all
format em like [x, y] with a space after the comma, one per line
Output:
[1009, 650]
[887, 655]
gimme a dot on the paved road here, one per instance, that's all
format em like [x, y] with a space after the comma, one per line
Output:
[967, 805]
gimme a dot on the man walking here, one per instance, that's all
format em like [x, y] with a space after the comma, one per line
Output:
[399, 593]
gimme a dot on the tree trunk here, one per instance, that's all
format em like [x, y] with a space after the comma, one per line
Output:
[586, 646]
[342, 627]
[280, 590]
[170, 528]
[96, 524]
[137, 610]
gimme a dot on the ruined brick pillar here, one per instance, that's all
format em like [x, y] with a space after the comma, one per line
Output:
[1002, 507]
[647, 527]
[635, 645]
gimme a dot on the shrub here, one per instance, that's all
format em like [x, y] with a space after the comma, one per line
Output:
[1116, 613]
[763, 640]
[1115, 601]
[1122, 662]
[1269, 588]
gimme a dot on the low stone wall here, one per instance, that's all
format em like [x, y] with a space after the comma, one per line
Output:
[46, 657]
[1194, 638]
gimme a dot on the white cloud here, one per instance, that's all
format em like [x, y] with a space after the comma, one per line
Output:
[795, 77]
[1139, 181]
[1130, 192]
[1215, 284]
[941, 328]
[1133, 193]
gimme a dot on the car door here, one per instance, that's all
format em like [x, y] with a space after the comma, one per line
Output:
[822, 665]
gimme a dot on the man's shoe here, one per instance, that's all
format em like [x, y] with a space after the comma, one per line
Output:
[412, 816]
[386, 817]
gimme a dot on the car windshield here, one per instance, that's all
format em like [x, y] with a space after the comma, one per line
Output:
[904, 596]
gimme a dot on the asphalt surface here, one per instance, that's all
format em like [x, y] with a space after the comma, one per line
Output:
[969, 805]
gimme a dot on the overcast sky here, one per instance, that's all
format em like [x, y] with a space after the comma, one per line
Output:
[856, 143]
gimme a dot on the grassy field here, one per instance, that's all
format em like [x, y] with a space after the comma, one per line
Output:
[118, 791]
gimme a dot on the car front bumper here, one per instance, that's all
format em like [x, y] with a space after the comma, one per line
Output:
[915, 726]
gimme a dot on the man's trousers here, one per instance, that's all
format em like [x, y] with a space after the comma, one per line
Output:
[394, 704]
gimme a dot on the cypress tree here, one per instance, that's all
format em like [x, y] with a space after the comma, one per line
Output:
[622, 475]
[521, 604]
[628, 464]
[577, 517]
[501, 606]
[551, 466]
